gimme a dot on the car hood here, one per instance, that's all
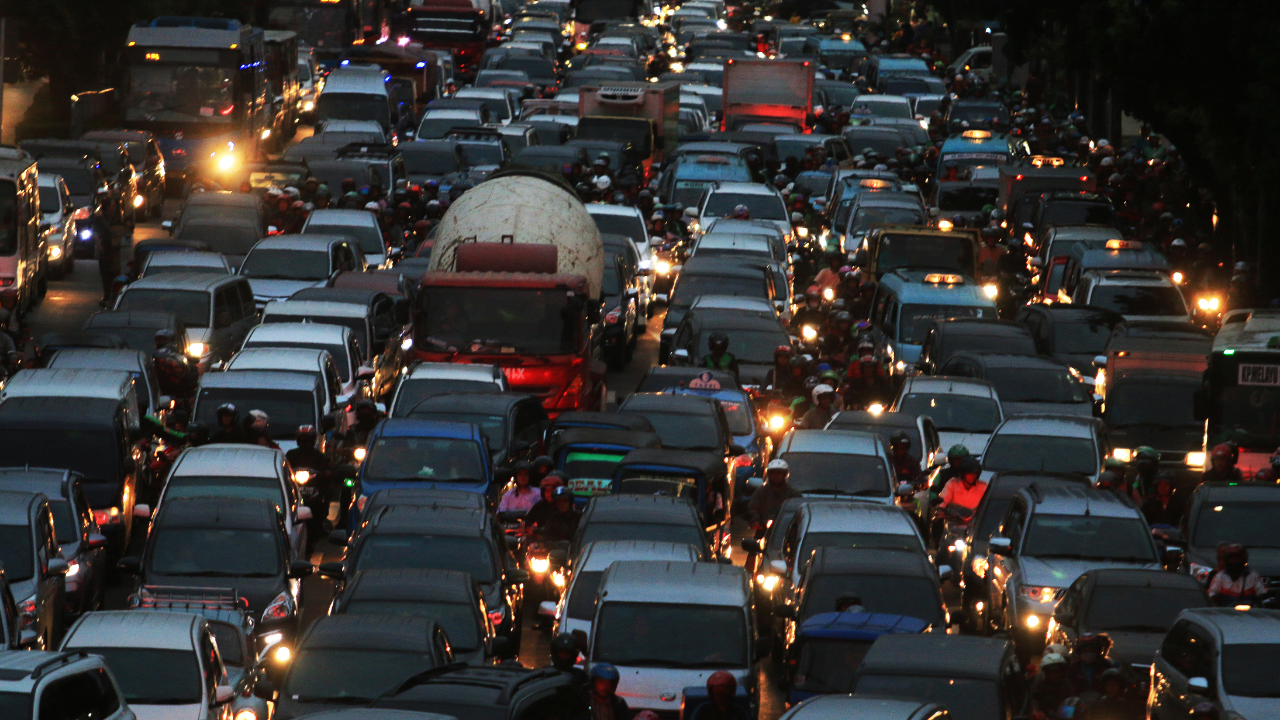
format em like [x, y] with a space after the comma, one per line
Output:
[166, 712]
[274, 289]
[1061, 572]
[649, 688]
[1082, 409]
[1134, 648]
[975, 442]
[258, 592]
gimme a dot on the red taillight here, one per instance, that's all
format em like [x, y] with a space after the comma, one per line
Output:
[1084, 178]
[227, 110]
[742, 461]
[6, 282]
[1018, 177]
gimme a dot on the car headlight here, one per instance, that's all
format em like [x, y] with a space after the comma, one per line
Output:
[662, 267]
[138, 200]
[875, 408]
[1033, 621]
[247, 714]
[828, 294]
[73, 569]
[802, 231]
[1035, 593]
[809, 333]
[945, 225]
[557, 579]
[55, 252]
[1122, 454]
[979, 566]
[1195, 459]
[308, 106]
[359, 454]
[959, 546]
[195, 349]
[1208, 304]
[990, 290]
[282, 654]
[768, 582]
[86, 234]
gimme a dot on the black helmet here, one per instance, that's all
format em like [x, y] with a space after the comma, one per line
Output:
[718, 342]
[366, 404]
[226, 409]
[971, 466]
[524, 465]
[810, 383]
[564, 642]
[542, 461]
[844, 317]
[306, 431]
[900, 438]
[561, 491]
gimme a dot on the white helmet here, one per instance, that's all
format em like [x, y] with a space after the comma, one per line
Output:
[822, 389]
[603, 182]
[1051, 660]
[373, 206]
[778, 464]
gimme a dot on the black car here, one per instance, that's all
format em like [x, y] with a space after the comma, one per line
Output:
[508, 692]
[974, 677]
[234, 543]
[79, 541]
[431, 537]
[948, 337]
[355, 659]
[685, 422]
[752, 340]
[1074, 334]
[148, 162]
[1220, 512]
[515, 425]
[452, 599]
[437, 160]
[1026, 383]
[35, 571]
[1134, 607]
[137, 328]
[1059, 208]
[620, 308]
[430, 497]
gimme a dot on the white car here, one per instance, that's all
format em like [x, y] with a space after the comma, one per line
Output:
[57, 225]
[339, 341]
[965, 411]
[1046, 443]
[426, 379]
[358, 225]
[628, 221]
[281, 265]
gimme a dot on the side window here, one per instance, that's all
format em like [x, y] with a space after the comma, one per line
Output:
[248, 308]
[353, 347]
[1174, 649]
[792, 540]
[331, 378]
[46, 545]
[225, 301]
[211, 663]
[82, 696]
[878, 306]
[1201, 655]
[891, 318]
[1012, 525]
[980, 61]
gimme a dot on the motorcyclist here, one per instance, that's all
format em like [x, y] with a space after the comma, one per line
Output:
[767, 501]
[1116, 702]
[229, 430]
[306, 456]
[906, 467]
[1049, 689]
[721, 688]
[782, 376]
[720, 358]
[257, 429]
[367, 417]
[1162, 507]
[564, 657]
[1222, 465]
[1236, 584]
[828, 278]
[542, 466]
[820, 414]
[520, 497]
[561, 523]
[865, 383]
[1090, 661]
[811, 312]
[1112, 476]
[966, 491]
[313, 474]
[1146, 464]
[956, 455]
[538, 514]
[605, 703]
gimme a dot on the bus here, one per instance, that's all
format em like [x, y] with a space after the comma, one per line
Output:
[1239, 400]
[200, 85]
[327, 26]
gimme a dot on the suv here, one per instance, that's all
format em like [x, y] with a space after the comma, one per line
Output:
[1050, 535]
[1221, 512]
[34, 567]
[426, 379]
[59, 685]
[908, 303]
[217, 310]
[1223, 654]
[1047, 443]
[1135, 294]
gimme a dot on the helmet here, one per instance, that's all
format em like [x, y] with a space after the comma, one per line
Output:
[957, 451]
[306, 431]
[259, 416]
[844, 317]
[1113, 463]
[1222, 450]
[1145, 452]
[900, 438]
[603, 182]
[777, 464]
[718, 341]
[830, 377]
[741, 211]
[782, 351]
[552, 481]
[720, 678]
[524, 465]
[1178, 243]
[821, 390]
[560, 491]
[226, 409]
[373, 206]
[971, 466]
[564, 642]
[811, 382]
[1052, 660]
[164, 334]
[813, 293]
[543, 461]
[657, 217]
[1112, 674]
[604, 671]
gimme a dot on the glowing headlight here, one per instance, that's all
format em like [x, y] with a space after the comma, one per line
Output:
[359, 453]
[768, 582]
[138, 200]
[308, 106]
[406, 343]
[979, 566]
[875, 408]
[73, 569]
[1039, 594]
[247, 714]
[808, 333]
[1195, 459]
[829, 294]
[900, 366]
[86, 234]
[226, 162]
[1122, 454]
[777, 422]
[282, 654]
[959, 546]
[802, 231]
[990, 290]
[195, 349]
[266, 133]
[55, 252]
[302, 477]
[539, 564]
[1209, 304]
[1177, 277]
[662, 266]
[1033, 621]
[945, 225]
[557, 579]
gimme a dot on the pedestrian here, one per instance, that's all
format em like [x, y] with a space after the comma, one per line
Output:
[109, 229]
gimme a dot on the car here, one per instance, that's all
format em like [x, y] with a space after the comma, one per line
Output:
[1051, 535]
[418, 453]
[1219, 654]
[426, 379]
[345, 657]
[388, 309]
[227, 234]
[1135, 294]
[769, 548]
[340, 342]
[514, 424]
[1027, 384]
[235, 470]
[962, 411]
[500, 103]
[160, 660]
[38, 685]
[732, 244]
[669, 624]
[1047, 443]
[838, 462]
[752, 341]
[138, 364]
[57, 225]
[217, 310]
[451, 599]
[973, 677]
[691, 172]
[714, 275]
[147, 160]
[908, 304]
[641, 517]
[880, 208]
[762, 201]
[619, 329]
[685, 422]
[290, 400]
[242, 206]
[1073, 334]
[34, 569]
[946, 337]
[312, 361]
[625, 221]
[136, 329]
[834, 707]
[281, 265]
[358, 225]
[506, 692]
[1219, 512]
[433, 160]
[79, 542]
[174, 261]
[356, 316]
[969, 554]
[1155, 407]
[439, 537]
[883, 141]
[1135, 608]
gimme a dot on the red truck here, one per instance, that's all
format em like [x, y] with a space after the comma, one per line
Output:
[776, 92]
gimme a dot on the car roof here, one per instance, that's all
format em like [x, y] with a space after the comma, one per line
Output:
[428, 520]
[71, 382]
[1009, 483]
[713, 319]
[1071, 499]
[229, 459]
[196, 282]
[311, 242]
[452, 371]
[180, 258]
[1240, 627]
[692, 583]
[259, 380]
[132, 318]
[1049, 425]
[218, 512]
[910, 288]
[423, 428]
[1219, 492]
[839, 442]
[732, 302]
[871, 561]
[394, 633]
[982, 326]
[937, 654]
[862, 418]
[354, 218]
[942, 384]
[316, 308]
[301, 359]
[673, 375]
[134, 628]
[52, 482]
[863, 707]
[413, 584]
[641, 509]
[856, 516]
[15, 506]
[623, 210]
[60, 413]
[99, 359]
[599, 555]
[708, 463]
[299, 332]
[744, 188]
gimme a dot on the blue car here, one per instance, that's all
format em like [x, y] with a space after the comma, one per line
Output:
[741, 413]
[830, 646]
[409, 453]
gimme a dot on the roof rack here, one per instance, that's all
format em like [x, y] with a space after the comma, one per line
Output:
[366, 149]
[473, 133]
[167, 597]
[57, 661]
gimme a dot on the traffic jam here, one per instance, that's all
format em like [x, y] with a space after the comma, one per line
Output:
[605, 360]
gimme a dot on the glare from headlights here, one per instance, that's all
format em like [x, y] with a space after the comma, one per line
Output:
[1195, 459]
[86, 234]
[1177, 278]
[557, 579]
[308, 106]
[247, 714]
[302, 477]
[828, 294]
[359, 453]
[768, 582]
[802, 231]
[990, 290]
[662, 266]
[539, 564]
[945, 225]
[808, 333]
[1209, 304]
[282, 654]
[875, 408]
[195, 349]
[1033, 621]
[1122, 454]
[138, 200]
[55, 252]
[777, 422]
[266, 133]
[226, 162]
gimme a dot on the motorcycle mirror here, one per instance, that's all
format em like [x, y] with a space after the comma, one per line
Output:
[905, 490]
[778, 566]
[547, 608]
[944, 572]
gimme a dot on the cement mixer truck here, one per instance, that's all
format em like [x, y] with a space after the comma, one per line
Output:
[514, 281]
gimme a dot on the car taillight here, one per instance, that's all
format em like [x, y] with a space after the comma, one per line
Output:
[360, 501]
[27, 609]
[107, 516]
[496, 616]
[613, 316]
[280, 608]
[742, 461]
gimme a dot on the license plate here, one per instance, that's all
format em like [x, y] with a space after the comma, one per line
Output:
[1259, 375]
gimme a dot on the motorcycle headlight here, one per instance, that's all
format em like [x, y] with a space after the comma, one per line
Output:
[359, 454]
[828, 294]
[990, 290]
[539, 564]
[777, 422]
[195, 349]
[768, 582]
[808, 333]
[1195, 459]
[979, 566]
[662, 267]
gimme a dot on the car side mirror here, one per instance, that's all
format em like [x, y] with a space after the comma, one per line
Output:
[28, 639]
[751, 545]
[338, 537]
[299, 569]
[1099, 361]
[129, 565]
[1199, 684]
[364, 373]
[547, 608]
[96, 541]
[272, 229]
[778, 566]
[331, 570]
[945, 572]
[58, 566]
[142, 510]
[905, 490]
[680, 356]
[223, 694]
[167, 225]
[305, 514]
[1000, 545]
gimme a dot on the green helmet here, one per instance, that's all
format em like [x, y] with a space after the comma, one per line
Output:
[1112, 463]
[958, 452]
[1145, 452]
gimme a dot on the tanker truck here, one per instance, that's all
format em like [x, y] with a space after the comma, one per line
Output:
[514, 281]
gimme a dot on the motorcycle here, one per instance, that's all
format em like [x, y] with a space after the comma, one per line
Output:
[951, 540]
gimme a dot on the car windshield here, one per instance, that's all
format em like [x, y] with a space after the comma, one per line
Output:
[749, 346]
[249, 488]
[689, 287]
[897, 250]
[838, 473]
[1139, 609]
[1090, 537]
[235, 239]
[488, 320]
[760, 207]
[153, 677]
[350, 674]
[95, 456]
[272, 264]
[954, 413]
[493, 427]
[337, 352]
[1081, 337]
[683, 431]
[896, 594]
[486, 153]
[413, 392]
[1062, 214]
[1248, 669]
[1037, 385]
[286, 409]
[1250, 524]
[627, 225]
[180, 93]
[16, 552]
[966, 698]
[353, 106]
[1040, 452]
[916, 320]
[640, 482]
[436, 125]
[878, 541]
[50, 203]
[460, 622]
[433, 162]
[961, 197]
[428, 552]
[865, 217]
[828, 665]
[582, 598]
[681, 534]
[136, 338]
[214, 552]
[366, 236]
[191, 307]
[411, 459]
[669, 635]
[1164, 404]
[978, 111]
[1139, 299]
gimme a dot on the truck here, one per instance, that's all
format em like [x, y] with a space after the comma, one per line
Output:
[1020, 184]
[326, 26]
[458, 27]
[645, 115]
[514, 281]
[777, 92]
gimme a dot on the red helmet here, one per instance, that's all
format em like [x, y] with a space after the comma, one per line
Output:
[551, 481]
[782, 351]
[1222, 450]
[720, 678]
